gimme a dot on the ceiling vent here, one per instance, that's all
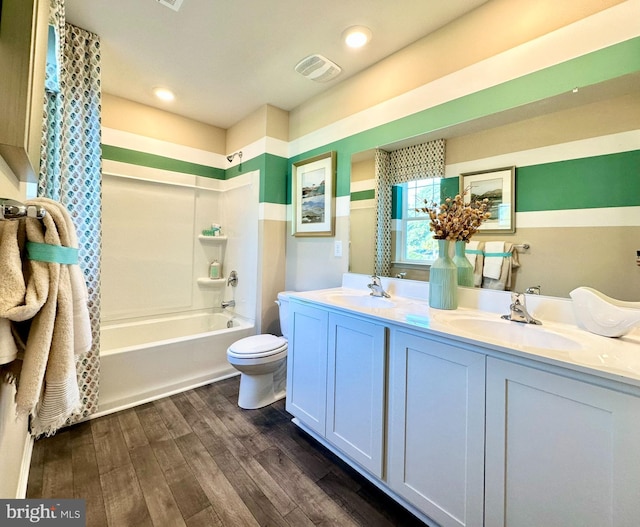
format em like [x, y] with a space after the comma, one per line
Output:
[171, 4]
[318, 68]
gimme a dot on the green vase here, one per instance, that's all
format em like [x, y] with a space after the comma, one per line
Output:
[465, 269]
[443, 279]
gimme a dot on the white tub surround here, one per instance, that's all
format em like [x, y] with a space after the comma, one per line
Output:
[147, 359]
[466, 418]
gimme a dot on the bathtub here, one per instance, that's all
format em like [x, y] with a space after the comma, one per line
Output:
[147, 359]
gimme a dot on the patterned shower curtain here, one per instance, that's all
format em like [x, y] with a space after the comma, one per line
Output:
[392, 168]
[71, 169]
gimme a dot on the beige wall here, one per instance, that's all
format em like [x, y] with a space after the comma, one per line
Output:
[267, 121]
[619, 114]
[362, 221]
[363, 170]
[272, 236]
[129, 116]
[492, 28]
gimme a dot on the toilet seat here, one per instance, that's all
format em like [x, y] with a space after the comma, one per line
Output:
[257, 347]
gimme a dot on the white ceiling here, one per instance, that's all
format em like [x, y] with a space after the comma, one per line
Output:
[226, 58]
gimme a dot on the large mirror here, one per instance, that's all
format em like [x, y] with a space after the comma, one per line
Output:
[577, 162]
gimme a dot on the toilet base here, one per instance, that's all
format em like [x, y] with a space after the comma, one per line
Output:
[257, 391]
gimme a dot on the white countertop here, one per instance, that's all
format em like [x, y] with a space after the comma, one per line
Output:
[477, 321]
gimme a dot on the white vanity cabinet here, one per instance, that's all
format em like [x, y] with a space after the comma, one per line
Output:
[356, 390]
[307, 365]
[436, 427]
[336, 381]
[559, 451]
[461, 431]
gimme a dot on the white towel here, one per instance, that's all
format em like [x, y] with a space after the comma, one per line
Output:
[12, 286]
[48, 378]
[47, 303]
[493, 264]
[8, 348]
[81, 321]
[471, 246]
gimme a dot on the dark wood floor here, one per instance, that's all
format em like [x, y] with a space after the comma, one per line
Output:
[196, 459]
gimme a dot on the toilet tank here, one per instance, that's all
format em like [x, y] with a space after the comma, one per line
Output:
[283, 303]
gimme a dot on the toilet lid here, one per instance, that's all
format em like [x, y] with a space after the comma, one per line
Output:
[258, 346]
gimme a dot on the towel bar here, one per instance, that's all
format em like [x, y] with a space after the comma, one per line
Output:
[10, 209]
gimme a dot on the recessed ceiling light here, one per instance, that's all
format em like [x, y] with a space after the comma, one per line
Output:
[356, 36]
[164, 94]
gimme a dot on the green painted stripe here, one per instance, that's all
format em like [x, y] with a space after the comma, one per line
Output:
[611, 180]
[449, 187]
[592, 68]
[133, 157]
[273, 181]
[363, 194]
[273, 176]
[247, 165]
[599, 66]
[273, 169]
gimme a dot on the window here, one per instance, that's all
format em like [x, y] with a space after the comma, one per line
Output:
[415, 243]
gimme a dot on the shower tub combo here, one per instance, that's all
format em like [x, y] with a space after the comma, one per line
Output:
[146, 359]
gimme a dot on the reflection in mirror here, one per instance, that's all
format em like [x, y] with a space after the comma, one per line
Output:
[362, 220]
[577, 189]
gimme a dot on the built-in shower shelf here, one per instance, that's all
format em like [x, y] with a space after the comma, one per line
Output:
[212, 239]
[211, 282]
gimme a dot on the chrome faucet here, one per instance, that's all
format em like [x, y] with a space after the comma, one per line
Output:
[519, 311]
[376, 287]
[533, 290]
[228, 303]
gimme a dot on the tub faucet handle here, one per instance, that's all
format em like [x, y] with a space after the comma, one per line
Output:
[233, 279]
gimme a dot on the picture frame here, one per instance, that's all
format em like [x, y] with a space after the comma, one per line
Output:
[313, 196]
[498, 186]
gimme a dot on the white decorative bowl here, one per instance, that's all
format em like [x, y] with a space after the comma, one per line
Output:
[602, 315]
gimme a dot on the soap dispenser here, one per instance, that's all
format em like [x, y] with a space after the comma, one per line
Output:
[215, 270]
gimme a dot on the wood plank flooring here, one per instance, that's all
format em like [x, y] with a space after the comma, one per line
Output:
[197, 460]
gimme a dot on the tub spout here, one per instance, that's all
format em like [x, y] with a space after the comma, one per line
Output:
[228, 303]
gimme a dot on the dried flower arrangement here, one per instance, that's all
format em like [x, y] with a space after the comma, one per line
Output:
[455, 220]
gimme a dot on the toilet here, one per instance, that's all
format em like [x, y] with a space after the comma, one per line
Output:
[262, 363]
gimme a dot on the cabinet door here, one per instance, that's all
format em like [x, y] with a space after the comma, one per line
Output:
[23, 52]
[436, 428]
[356, 390]
[307, 365]
[560, 452]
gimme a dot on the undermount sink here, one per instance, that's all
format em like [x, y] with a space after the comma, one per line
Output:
[520, 334]
[368, 301]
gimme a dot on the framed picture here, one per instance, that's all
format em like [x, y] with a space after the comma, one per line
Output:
[313, 196]
[497, 185]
